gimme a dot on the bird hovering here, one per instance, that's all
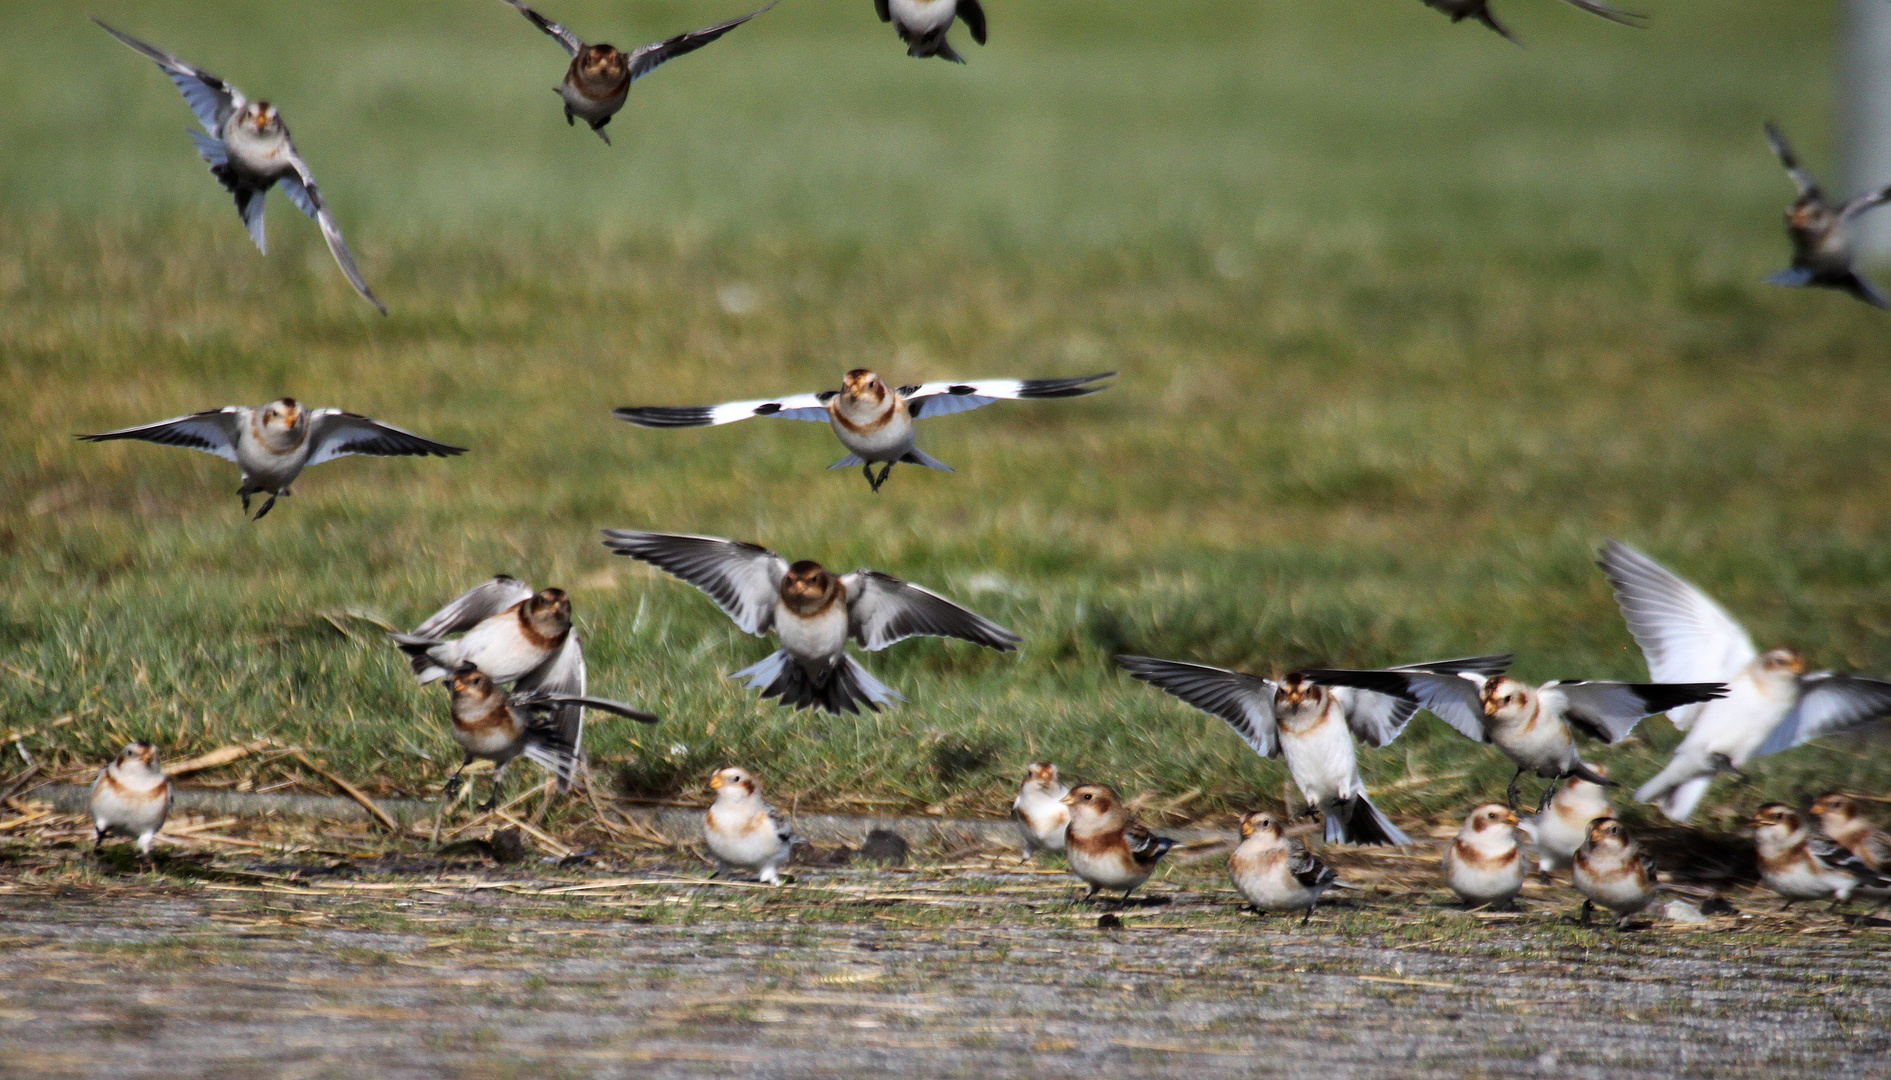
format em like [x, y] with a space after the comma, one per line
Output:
[1772, 704]
[872, 421]
[1479, 10]
[598, 81]
[493, 724]
[1820, 232]
[249, 151]
[922, 24]
[273, 443]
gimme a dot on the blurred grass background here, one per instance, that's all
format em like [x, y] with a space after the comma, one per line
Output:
[1408, 318]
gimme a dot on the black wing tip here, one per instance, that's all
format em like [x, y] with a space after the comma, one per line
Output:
[664, 416]
[1074, 386]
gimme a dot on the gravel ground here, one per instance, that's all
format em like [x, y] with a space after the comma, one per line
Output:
[941, 971]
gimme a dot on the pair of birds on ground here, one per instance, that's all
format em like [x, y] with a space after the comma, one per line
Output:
[1733, 702]
[271, 444]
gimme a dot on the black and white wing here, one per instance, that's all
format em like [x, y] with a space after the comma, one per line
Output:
[883, 609]
[1613, 14]
[784, 829]
[1684, 635]
[334, 433]
[1308, 870]
[1801, 178]
[648, 58]
[300, 187]
[1841, 858]
[210, 98]
[944, 398]
[565, 37]
[1454, 698]
[1868, 201]
[472, 607]
[1245, 701]
[797, 407]
[743, 579]
[1829, 704]
[539, 701]
[1377, 719]
[1610, 710]
[974, 16]
[213, 431]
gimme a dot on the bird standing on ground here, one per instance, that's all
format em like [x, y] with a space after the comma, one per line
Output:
[249, 151]
[1771, 703]
[132, 796]
[1479, 10]
[1821, 232]
[1800, 864]
[1610, 870]
[873, 422]
[1105, 844]
[1039, 808]
[273, 443]
[743, 831]
[495, 725]
[1484, 863]
[812, 613]
[1560, 828]
[1840, 818]
[1309, 725]
[598, 81]
[1276, 873]
[1532, 725]
[922, 24]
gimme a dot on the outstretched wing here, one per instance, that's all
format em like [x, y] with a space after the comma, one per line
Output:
[648, 58]
[474, 606]
[1829, 704]
[1454, 698]
[213, 431]
[1870, 200]
[1801, 178]
[942, 398]
[538, 701]
[1377, 719]
[743, 579]
[1684, 635]
[797, 407]
[974, 16]
[883, 609]
[1613, 14]
[334, 434]
[565, 37]
[1610, 710]
[1245, 701]
[300, 187]
[883, 9]
[209, 97]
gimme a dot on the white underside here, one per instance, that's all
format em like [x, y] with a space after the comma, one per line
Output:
[1484, 885]
[922, 16]
[1110, 871]
[815, 642]
[1324, 762]
[728, 832]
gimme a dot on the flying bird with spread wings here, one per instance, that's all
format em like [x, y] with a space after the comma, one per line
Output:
[1821, 232]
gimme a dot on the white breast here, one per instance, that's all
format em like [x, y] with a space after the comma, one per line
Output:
[923, 15]
[817, 640]
[497, 647]
[1737, 724]
[262, 156]
[274, 469]
[740, 834]
[1044, 817]
[1110, 870]
[1322, 759]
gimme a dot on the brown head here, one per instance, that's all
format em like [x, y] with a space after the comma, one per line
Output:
[731, 782]
[1260, 821]
[1491, 816]
[807, 588]
[470, 686]
[1295, 693]
[1092, 801]
[602, 62]
[1504, 697]
[863, 385]
[1606, 832]
[1041, 772]
[1809, 214]
[1783, 661]
[284, 414]
[1778, 815]
[261, 117]
[1835, 806]
[140, 752]
[548, 613]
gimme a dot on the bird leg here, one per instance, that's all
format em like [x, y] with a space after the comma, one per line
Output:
[1308, 917]
[98, 841]
[492, 802]
[1548, 792]
[453, 782]
[1724, 764]
[1587, 907]
[1510, 793]
[1787, 904]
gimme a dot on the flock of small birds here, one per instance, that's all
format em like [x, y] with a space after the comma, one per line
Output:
[514, 665]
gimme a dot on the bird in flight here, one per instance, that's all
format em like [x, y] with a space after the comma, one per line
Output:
[1479, 11]
[922, 24]
[1821, 232]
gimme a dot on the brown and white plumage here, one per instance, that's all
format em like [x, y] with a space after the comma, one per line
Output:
[743, 831]
[131, 795]
[1105, 844]
[812, 612]
[1275, 872]
[1801, 864]
[494, 724]
[1484, 863]
[1039, 808]
[249, 151]
[598, 81]
[1820, 230]
[271, 444]
[1563, 826]
[1479, 11]
[922, 24]
[1610, 870]
[1840, 818]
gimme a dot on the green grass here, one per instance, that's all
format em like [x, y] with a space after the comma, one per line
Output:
[1408, 319]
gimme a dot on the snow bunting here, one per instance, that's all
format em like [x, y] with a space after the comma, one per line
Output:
[493, 724]
[598, 81]
[249, 151]
[1530, 724]
[1310, 726]
[1611, 871]
[873, 422]
[1821, 232]
[271, 444]
[1560, 828]
[132, 796]
[1276, 873]
[922, 24]
[1840, 818]
[512, 635]
[812, 613]
[743, 831]
[1039, 808]
[1106, 846]
[1484, 862]
[1771, 703]
[1800, 864]
[1479, 10]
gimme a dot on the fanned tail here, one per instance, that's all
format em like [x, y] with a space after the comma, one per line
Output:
[1357, 821]
[847, 686]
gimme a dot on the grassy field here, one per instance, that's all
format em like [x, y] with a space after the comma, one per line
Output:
[1408, 320]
